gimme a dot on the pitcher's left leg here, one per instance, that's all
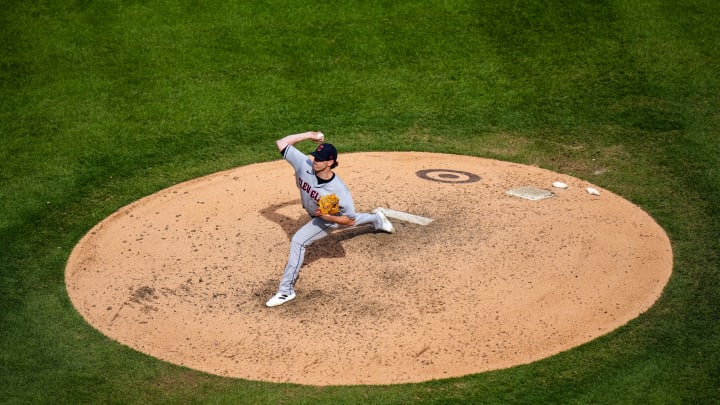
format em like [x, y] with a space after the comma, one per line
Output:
[314, 230]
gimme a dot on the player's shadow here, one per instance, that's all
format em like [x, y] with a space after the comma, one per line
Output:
[328, 247]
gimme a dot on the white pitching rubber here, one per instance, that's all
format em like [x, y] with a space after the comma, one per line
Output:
[405, 216]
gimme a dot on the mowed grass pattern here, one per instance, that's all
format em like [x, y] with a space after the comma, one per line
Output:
[103, 103]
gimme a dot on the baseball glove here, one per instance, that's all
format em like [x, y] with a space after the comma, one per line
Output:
[329, 204]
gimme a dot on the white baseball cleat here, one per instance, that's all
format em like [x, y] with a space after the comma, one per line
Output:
[279, 299]
[387, 226]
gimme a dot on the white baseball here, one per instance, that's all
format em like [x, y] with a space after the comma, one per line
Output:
[320, 136]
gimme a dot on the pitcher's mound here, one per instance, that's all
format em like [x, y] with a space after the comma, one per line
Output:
[493, 281]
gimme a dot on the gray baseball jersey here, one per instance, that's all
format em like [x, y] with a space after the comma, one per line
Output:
[311, 188]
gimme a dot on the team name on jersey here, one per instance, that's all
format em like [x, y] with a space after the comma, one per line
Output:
[307, 188]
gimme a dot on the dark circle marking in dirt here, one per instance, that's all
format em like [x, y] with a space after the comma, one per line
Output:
[448, 176]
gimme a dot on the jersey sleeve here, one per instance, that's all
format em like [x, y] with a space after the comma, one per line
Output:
[296, 158]
[347, 206]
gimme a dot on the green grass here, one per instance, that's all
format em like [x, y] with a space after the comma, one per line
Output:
[106, 102]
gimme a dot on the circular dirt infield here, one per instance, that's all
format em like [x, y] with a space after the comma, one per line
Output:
[494, 280]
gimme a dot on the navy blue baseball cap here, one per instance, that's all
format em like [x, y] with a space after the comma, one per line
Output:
[325, 152]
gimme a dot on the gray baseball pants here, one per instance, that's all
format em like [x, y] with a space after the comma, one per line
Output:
[314, 230]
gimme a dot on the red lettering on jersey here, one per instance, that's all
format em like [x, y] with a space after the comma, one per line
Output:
[306, 187]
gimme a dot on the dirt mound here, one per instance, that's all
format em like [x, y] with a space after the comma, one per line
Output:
[493, 281]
